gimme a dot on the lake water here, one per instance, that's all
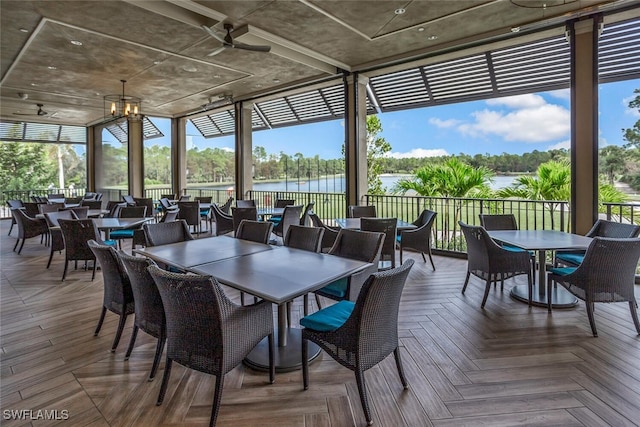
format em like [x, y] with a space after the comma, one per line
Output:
[336, 184]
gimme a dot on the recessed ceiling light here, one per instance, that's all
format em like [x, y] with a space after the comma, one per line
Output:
[51, 67]
[76, 42]
[157, 62]
[257, 85]
[24, 30]
[432, 37]
[34, 84]
[515, 29]
[276, 80]
[190, 68]
[420, 29]
[216, 76]
[399, 11]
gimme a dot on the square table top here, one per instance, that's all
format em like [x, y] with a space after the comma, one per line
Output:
[541, 239]
[119, 223]
[354, 224]
[190, 253]
[281, 274]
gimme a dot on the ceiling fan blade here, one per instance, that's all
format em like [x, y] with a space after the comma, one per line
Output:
[254, 48]
[213, 33]
[218, 50]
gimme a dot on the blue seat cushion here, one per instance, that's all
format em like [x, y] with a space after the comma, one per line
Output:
[204, 212]
[111, 243]
[122, 234]
[337, 288]
[330, 318]
[399, 238]
[562, 271]
[575, 259]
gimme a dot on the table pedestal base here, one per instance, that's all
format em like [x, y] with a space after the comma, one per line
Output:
[560, 298]
[287, 358]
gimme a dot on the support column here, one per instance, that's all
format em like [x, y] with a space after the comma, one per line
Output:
[135, 146]
[355, 148]
[178, 156]
[94, 153]
[91, 159]
[244, 148]
[583, 35]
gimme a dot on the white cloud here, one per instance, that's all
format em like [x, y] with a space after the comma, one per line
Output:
[419, 153]
[564, 94]
[534, 121]
[228, 149]
[560, 145]
[519, 101]
[443, 123]
[631, 111]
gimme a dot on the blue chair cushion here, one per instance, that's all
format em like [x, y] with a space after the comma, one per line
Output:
[111, 243]
[122, 234]
[399, 238]
[575, 259]
[337, 288]
[204, 212]
[330, 318]
[562, 271]
[512, 248]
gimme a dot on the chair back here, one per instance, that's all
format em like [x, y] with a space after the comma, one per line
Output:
[203, 199]
[306, 238]
[79, 212]
[73, 200]
[76, 234]
[170, 215]
[118, 296]
[498, 222]
[49, 207]
[227, 205]
[388, 226]
[246, 203]
[362, 211]
[329, 236]
[290, 216]
[166, 204]
[608, 271]
[128, 199]
[55, 196]
[27, 226]
[53, 217]
[190, 212]
[185, 198]
[15, 204]
[89, 195]
[164, 233]
[256, 231]
[281, 203]
[92, 204]
[193, 307]
[114, 206]
[168, 196]
[147, 301]
[224, 222]
[99, 196]
[304, 219]
[604, 228]
[32, 209]
[359, 245]
[146, 202]
[479, 245]
[133, 212]
[238, 214]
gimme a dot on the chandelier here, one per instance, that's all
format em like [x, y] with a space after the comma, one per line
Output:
[121, 105]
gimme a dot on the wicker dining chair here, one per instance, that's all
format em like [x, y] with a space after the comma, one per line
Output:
[76, 233]
[206, 331]
[280, 203]
[79, 212]
[607, 274]
[226, 207]
[149, 311]
[170, 215]
[307, 239]
[92, 204]
[118, 295]
[388, 226]
[14, 204]
[129, 200]
[190, 212]
[329, 236]
[135, 234]
[248, 203]
[290, 216]
[362, 211]
[491, 262]
[362, 334]
[205, 214]
[493, 222]
[359, 245]
[28, 227]
[224, 222]
[308, 210]
[238, 214]
[418, 238]
[56, 243]
[255, 231]
[164, 233]
[602, 228]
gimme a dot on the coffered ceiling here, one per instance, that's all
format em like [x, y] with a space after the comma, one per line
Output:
[67, 55]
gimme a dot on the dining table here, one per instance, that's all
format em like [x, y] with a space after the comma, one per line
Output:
[541, 241]
[277, 274]
[354, 224]
[106, 225]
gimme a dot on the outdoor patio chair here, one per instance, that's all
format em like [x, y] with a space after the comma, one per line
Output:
[128, 199]
[388, 226]
[164, 233]
[359, 245]
[238, 214]
[224, 222]
[307, 239]
[135, 234]
[208, 332]
[328, 237]
[419, 238]
[362, 334]
[493, 222]
[28, 227]
[170, 215]
[255, 231]
[114, 206]
[49, 207]
[602, 228]
[205, 214]
[168, 196]
[32, 209]
[73, 200]
[250, 203]
[148, 308]
[227, 205]
[362, 211]
[190, 212]
[14, 204]
[491, 262]
[290, 216]
[76, 233]
[92, 204]
[79, 212]
[184, 198]
[607, 274]
[147, 202]
[118, 295]
[280, 203]
[56, 243]
[308, 210]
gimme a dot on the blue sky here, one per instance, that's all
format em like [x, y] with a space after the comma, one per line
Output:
[516, 125]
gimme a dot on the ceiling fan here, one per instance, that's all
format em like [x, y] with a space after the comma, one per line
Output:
[40, 112]
[228, 43]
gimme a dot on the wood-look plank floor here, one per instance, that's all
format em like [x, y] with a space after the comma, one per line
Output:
[505, 365]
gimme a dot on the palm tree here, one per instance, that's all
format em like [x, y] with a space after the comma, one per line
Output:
[451, 180]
